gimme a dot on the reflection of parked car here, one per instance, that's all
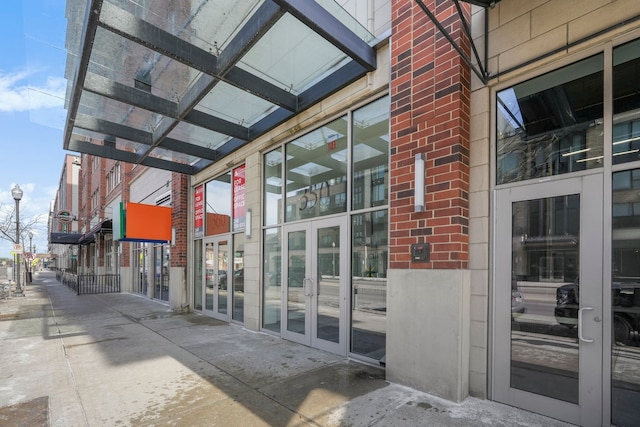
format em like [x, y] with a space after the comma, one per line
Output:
[625, 299]
[517, 302]
[296, 277]
[238, 280]
[222, 280]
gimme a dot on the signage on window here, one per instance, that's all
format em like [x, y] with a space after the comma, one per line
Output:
[238, 198]
[198, 205]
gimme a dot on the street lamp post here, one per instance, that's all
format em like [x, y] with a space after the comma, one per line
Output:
[30, 277]
[16, 192]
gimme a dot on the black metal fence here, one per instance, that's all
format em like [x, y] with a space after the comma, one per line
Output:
[85, 284]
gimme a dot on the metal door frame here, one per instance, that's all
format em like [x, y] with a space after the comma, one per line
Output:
[311, 284]
[216, 241]
[594, 318]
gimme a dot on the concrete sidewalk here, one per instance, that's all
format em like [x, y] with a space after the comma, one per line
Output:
[123, 360]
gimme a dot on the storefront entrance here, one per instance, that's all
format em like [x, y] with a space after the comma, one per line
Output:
[550, 317]
[217, 272]
[315, 283]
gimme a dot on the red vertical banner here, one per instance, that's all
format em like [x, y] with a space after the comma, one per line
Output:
[198, 211]
[238, 198]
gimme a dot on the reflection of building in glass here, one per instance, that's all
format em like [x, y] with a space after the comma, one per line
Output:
[546, 239]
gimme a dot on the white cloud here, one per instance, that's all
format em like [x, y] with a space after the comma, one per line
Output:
[16, 94]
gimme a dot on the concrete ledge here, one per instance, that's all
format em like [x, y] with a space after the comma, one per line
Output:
[428, 331]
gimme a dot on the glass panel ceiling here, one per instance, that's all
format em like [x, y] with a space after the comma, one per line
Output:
[207, 24]
[235, 105]
[207, 74]
[120, 144]
[174, 156]
[292, 56]
[133, 65]
[100, 107]
[197, 135]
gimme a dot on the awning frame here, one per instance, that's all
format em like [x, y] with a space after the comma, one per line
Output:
[480, 67]
[215, 69]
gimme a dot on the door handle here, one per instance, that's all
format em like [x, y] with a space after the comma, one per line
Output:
[308, 286]
[583, 339]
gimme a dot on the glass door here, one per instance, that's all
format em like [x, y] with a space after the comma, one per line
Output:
[315, 282]
[216, 260]
[548, 311]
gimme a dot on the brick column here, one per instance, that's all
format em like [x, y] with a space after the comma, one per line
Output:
[430, 100]
[179, 210]
[428, 302]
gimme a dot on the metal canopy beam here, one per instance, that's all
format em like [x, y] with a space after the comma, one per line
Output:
[259, 23]
[128, 157]
[102, 151]
[214, 69]
[482, 3]
[126, 25]
[143, 137]
[331, 29]
[190, 149]
[331, 84]
[142, 99]
[114, 129]
[479, 69]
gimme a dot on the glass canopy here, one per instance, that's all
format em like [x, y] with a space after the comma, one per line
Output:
[180, 85]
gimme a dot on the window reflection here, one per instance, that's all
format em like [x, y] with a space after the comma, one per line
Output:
[218, 205]
[317, 172]
[238, 278]
[197, 275]
[369, 284]
[272, 280]
[626, 103]
[545, 296]
[625, 298]
[552, 124]
[371, 155]
[273, 187]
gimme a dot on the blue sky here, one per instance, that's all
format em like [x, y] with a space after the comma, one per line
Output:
[32, 88]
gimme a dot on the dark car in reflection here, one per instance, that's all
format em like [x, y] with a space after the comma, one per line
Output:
[517, 301]
[625, 299]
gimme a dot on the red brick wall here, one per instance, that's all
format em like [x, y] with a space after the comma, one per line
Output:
[429, 114]
[179, 209]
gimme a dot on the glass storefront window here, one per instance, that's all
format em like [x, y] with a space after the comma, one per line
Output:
[161, 272]
[370, 186]
[625, 298]
[197, 275]
[141, 270]
[237, 296]
[272, 279]
[626, 103]
[218, 205]
[369, 284]
[552, 124]
[273, 187]
[317, 172]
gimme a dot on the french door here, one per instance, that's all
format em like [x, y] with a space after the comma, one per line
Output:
[315, 284]
[216, 294]
[548, 299]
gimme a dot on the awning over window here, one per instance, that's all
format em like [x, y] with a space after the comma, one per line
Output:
[180, 85]
[65, 238]
[90, 237]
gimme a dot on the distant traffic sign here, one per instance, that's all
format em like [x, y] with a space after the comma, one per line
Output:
[17, 248]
